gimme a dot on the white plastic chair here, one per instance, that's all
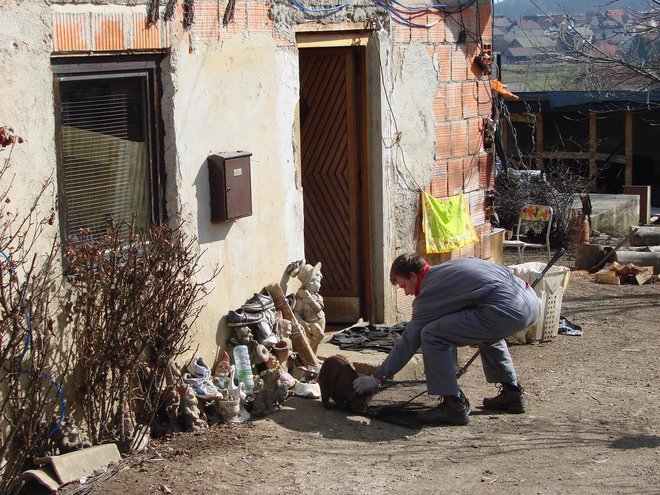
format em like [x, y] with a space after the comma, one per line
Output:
[532, 214]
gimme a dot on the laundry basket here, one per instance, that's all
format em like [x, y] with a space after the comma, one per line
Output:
[550, 291]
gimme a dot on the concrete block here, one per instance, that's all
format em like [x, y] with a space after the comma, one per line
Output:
[75, 465]
[612, 214]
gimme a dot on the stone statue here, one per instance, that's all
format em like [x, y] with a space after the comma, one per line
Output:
[308, 306]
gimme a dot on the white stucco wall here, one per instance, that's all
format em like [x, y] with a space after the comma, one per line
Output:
[240, 95]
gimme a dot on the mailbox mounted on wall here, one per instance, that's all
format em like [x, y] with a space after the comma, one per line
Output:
[231, 190]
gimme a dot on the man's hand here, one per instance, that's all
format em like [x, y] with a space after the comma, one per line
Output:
[365, 384]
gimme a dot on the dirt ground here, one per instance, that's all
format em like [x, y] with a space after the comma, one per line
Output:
[591, 426]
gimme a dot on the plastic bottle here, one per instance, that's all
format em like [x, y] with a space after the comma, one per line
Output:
[243, 367]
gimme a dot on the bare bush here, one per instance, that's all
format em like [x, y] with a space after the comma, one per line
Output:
[133, 300]
[557, 187]
[30, 363]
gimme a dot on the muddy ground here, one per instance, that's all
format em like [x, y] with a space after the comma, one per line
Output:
[591, 426]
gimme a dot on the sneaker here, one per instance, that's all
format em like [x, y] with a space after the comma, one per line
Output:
[203, 387]
[449, 412]
[307, 390]
[197, 367]
[509, 399]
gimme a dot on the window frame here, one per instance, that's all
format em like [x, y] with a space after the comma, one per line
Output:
[67, 69]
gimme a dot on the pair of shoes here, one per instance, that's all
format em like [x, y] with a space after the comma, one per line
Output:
[259, 302]
[509, 399]
[198, 368]
[240, 318]
[203, 387]
[449, 412]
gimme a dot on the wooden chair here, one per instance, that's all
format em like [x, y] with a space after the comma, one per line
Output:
[531, 214]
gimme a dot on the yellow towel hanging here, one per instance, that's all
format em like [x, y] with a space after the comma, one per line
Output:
[446, 223]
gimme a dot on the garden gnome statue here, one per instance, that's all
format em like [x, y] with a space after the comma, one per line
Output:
[308, 307]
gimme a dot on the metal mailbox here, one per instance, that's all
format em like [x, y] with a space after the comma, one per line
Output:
[231, 189]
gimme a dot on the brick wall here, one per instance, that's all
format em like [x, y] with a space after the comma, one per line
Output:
[462, 101]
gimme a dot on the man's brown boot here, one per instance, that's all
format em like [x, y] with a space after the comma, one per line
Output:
[450, 412]
[509, 399]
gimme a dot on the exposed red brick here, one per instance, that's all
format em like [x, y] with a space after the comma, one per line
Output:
[454, 101]
[486, 171]
[258, 19]
[418, 33]
[444, 61]
[238, 25]
[452, 28]
[69, 32]
[145, 37]
[439, 103]
[470, 100]
[436, 33]
[475, 135]
[485, 18]
[459, 139]
[477, 206]
[439, 179]
[471, 174]
[205, 27]
[108, 32]
[442, 140]
[402, 33]
[454, 176]
[485, 97]
[458, 63]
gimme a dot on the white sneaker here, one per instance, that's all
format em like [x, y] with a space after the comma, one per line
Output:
[307, 390]
[203, 387]
[197, 367]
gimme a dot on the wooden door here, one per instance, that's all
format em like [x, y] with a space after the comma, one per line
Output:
[330, 174]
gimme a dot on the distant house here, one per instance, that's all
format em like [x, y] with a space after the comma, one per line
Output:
[514, 55]
[607, 47]
[503, 23]
[528, 24]
[523, 41]
[618, 16]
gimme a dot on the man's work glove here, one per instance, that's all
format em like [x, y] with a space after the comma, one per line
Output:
[365, 384]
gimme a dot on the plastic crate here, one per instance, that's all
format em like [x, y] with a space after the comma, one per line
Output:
[550, 291]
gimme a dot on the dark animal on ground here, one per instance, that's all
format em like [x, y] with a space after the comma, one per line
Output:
[336, 382]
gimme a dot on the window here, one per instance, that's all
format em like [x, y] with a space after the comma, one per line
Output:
[108, 142]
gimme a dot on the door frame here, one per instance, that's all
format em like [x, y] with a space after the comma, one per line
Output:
[359, 39]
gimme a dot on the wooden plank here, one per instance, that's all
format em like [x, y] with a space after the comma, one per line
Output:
[629, 148]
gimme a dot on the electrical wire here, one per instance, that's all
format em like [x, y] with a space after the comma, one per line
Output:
[322, 10]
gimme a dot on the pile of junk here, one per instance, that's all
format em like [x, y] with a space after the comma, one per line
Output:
[270, 359]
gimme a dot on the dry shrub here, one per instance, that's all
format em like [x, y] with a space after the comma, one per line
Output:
[133, 300]
[30, 364]
[557, 187]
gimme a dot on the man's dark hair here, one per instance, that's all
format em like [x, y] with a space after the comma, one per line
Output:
[406, 264]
